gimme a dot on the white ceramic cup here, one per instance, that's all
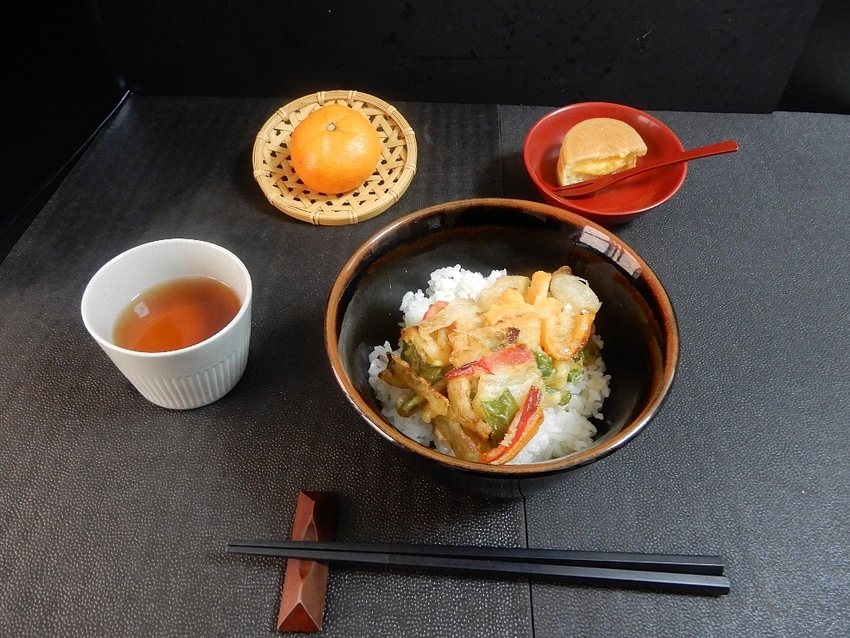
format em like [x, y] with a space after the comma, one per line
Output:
[178, 379]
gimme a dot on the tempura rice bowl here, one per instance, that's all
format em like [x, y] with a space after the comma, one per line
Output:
[636, 321]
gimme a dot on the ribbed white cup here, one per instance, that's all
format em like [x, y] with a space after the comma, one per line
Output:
[178, 379]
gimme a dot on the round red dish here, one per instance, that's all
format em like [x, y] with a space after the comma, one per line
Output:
[624, 200]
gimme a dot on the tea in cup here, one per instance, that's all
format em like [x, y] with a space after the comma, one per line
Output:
[175, 317]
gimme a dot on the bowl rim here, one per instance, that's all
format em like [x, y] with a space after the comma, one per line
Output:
[575, 206]
[373, 417]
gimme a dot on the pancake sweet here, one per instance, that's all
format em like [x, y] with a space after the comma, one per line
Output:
[598, 146]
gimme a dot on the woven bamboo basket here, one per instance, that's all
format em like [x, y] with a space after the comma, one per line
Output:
[277, 179]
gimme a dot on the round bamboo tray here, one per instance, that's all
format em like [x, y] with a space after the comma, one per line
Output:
[277, 179]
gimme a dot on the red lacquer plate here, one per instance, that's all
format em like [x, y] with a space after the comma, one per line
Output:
[624, 200]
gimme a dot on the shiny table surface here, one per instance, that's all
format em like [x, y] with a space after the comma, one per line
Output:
[114, 512]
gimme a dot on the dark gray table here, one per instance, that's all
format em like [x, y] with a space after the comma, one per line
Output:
[114, 513]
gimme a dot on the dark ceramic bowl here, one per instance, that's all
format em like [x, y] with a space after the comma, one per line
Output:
[625, 200]
[636, 320]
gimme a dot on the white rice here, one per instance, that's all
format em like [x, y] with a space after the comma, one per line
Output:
[565, 429]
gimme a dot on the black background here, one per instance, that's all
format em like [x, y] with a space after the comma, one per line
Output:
[69, 64]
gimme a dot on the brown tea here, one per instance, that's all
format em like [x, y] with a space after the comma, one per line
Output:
[176, 314]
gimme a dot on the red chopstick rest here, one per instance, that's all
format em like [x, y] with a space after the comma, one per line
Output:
[305, 582]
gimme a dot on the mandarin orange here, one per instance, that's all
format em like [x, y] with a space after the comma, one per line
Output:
[334, 149]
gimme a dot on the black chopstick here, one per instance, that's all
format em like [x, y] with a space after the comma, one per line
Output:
[675, 563]
[679, 582]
